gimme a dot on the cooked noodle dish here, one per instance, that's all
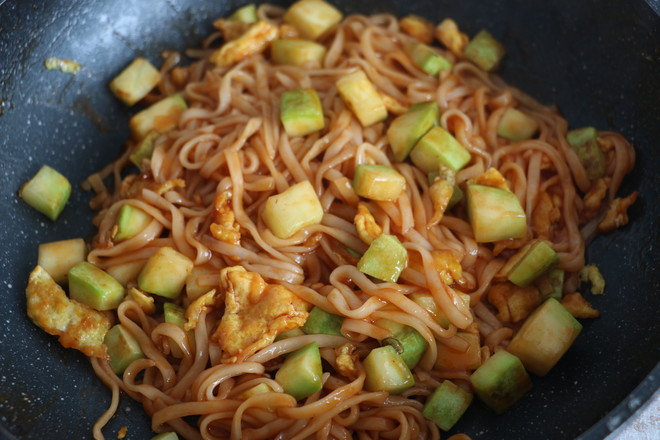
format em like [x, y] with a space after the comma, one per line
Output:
[329, 226]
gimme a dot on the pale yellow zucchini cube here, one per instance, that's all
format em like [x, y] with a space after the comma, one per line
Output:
[135, 81]
[294, 209]
[296, 52]
[126, 272]
[165, 273]
[58, 257]
[161, 116]
[361, 96]
[312, 17]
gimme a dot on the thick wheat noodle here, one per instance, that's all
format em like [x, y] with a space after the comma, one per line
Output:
[231, 139]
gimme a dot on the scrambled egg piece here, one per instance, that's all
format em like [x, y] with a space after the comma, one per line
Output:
[225, 227]
[593, 199]
[449, 35]
[578, 306]
[513, 303]
[77, 325]
[491, 177]
[366, 225]
[230, 29]
[253, 41]
[547, 212]
[448, 267]
[66, 66]
[255, 313]
[617, 214]
[132, 186]
[591, 274]
[392, 105]
[440, 192]
[417, 27]
[146, 302]
[347, 360]
[197, 307]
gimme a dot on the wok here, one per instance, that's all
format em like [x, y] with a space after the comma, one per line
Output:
[597, 60]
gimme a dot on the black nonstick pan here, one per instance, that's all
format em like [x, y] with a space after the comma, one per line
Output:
[598, 60]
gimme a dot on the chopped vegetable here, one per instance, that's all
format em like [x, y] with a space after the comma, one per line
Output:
[516, 125]
[135, 81]
[77, 325]
[495, 214]
[165, 273]
[313, 18]
[386, 371]
[385, 259]
[362, 98]
[321, 322]
[143, 150]
[451, 359]
[161, 116]
[378, 182]
[484, 51]
[411, 343]
[585, 143]
[447, 404]
[447, 33]
[245, 14]
[407, 129]
[544, 338]
[92, 286]
[530, 262]
[201, 280]
[123, 348]
[130, 222]
[427, 59]
[58, 257]
[292, 210]
[126, 272]
[501, 381]
[301, 112]
[47, 192]
[438, 147]
[301, 373]
[297, 52]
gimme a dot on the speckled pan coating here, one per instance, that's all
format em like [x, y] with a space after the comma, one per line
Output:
[597, 60]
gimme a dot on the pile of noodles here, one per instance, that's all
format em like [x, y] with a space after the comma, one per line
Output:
[231, 139]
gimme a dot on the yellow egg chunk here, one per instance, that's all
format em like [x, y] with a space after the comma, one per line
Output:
[294, 209]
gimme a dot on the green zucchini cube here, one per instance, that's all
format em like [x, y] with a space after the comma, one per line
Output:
[47, 192]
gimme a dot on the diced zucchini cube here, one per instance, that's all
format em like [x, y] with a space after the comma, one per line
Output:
[378, 182]
[556, 279]
[447, 405]
[386, 371]
[130, 222]
[320, 322]
[417, 27]
[385, 259]
[261, 388]
[294, 209]
[165, 273]
[174, 314]
[290, 334]
[427, 59]
[161, 116]
[361, 96]
[126, 272]
[451, 359]
[585, 143]
[297, 52]
[544, 338]
[531, 261]
[301, 373]
[495, 214]
[301, 112]
[426, 301]
[245, 14]
[484, 51]
[47, 192]
[439, 147]
[407, 129]
[122, 347]
[312, 18]
[516, 125]
[135, 81]
[407, 339]
[501, 381]
[143, 150]
[58, 257]
[92, 286]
